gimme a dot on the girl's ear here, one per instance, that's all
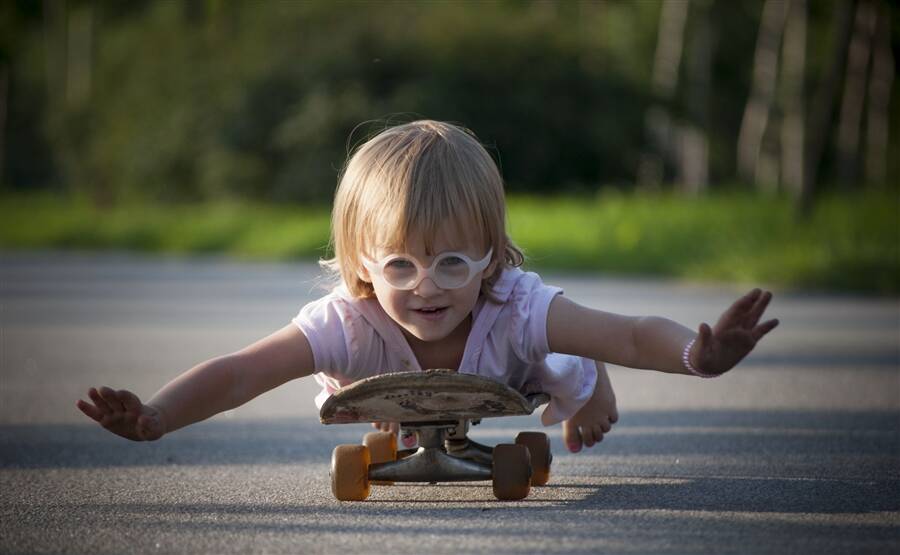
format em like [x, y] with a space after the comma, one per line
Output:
[363, 273]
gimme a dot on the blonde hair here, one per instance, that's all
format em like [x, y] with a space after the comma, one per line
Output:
[418, 178]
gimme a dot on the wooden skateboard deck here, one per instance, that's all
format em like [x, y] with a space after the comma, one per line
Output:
[428, 396]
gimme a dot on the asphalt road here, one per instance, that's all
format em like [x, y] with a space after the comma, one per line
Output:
[797, 450]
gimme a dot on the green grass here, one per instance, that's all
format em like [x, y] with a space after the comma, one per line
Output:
[849, 243]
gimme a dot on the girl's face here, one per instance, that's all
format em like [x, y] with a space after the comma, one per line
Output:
[427, 312]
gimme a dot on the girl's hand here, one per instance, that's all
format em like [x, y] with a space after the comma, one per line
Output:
[719, 349]
[122, 413]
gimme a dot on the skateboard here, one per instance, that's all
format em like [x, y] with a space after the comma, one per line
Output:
[438, 406]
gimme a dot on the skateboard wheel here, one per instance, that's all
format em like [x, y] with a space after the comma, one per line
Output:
[350, 472]
[382, 448]
[511, 472]
[538, 445]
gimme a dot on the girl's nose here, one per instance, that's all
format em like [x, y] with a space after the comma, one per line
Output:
[427, 288]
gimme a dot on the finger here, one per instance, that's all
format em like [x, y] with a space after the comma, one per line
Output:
[764, 328]
[704, 335]
[394, 428]
[99, 402]
[738, 310]
[129, 400]
[376, 425]
[89, 410]
[704, 340]
[112, 399]
[747, 301]
[758, 308]
[571, 436]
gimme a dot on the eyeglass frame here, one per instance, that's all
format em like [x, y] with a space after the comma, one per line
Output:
[475, 266]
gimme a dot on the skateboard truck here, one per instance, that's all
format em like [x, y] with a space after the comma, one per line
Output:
[442, 456]
[438, 406]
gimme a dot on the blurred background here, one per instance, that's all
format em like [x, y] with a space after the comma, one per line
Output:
[739, 140]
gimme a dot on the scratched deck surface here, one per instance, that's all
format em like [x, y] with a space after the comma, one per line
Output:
[424, 396]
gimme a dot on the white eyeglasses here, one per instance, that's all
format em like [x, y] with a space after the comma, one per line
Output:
[449, 270]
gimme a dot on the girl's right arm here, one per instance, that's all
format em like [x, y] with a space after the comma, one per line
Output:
[209, 388]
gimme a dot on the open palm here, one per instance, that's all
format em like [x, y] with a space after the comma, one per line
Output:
[737, 332]
[122, 413]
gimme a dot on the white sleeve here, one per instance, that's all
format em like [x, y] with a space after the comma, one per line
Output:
[529, 304]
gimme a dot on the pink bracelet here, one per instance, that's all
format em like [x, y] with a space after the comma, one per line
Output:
[686, 360]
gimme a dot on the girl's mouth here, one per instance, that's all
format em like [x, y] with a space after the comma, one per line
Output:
[431, 313]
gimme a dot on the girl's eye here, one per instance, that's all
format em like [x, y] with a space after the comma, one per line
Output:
[451, 261]
[400, 264]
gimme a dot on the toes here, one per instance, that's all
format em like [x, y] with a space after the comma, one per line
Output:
[572, 436]
[587, 434]
[408, 438]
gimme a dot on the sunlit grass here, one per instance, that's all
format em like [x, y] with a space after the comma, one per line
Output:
[847, 243]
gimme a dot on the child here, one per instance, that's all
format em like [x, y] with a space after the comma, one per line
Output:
[429, 279]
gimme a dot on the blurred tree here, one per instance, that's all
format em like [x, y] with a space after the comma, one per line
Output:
[849, 128]
[755, 162]
[821, 113]
[202, 98]
[881, 79]
[793, 101]
[666, 64]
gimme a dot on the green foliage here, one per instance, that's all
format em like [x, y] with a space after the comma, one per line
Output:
[211, 100]
[849, 242]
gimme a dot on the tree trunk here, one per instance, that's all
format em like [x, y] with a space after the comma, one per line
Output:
[793, 140]
[881, 80]
[55, 53]
[822, 109]
[79, 66]
[854, 91]
[693, 171]
[4, 103]
[762, 95]
[666, 64]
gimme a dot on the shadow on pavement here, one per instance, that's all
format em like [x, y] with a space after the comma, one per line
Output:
[751, 434]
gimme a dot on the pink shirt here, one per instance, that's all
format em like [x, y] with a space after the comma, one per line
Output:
[354, 338]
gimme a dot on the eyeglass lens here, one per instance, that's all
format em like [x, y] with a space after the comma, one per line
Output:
[449, 272]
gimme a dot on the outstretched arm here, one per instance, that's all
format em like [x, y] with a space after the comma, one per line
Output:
[656, 343]
[207, 389]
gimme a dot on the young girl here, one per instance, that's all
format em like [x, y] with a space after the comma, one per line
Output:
[430, 279]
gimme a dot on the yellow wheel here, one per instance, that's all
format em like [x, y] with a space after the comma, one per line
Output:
[350, 472]
[538, 445]
[512, 472]
[382, 448]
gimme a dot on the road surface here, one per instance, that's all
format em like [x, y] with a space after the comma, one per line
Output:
[797, 450]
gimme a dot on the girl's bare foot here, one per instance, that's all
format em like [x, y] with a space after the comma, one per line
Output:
[595, 418]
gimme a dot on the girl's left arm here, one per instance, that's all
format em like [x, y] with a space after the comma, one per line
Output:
[656, 343]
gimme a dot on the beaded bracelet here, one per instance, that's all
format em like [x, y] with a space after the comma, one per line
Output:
[686, 360]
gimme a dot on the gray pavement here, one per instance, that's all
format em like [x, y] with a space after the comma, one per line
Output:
[797, 450]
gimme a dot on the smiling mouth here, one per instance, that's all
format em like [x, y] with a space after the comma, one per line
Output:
[431, 311]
